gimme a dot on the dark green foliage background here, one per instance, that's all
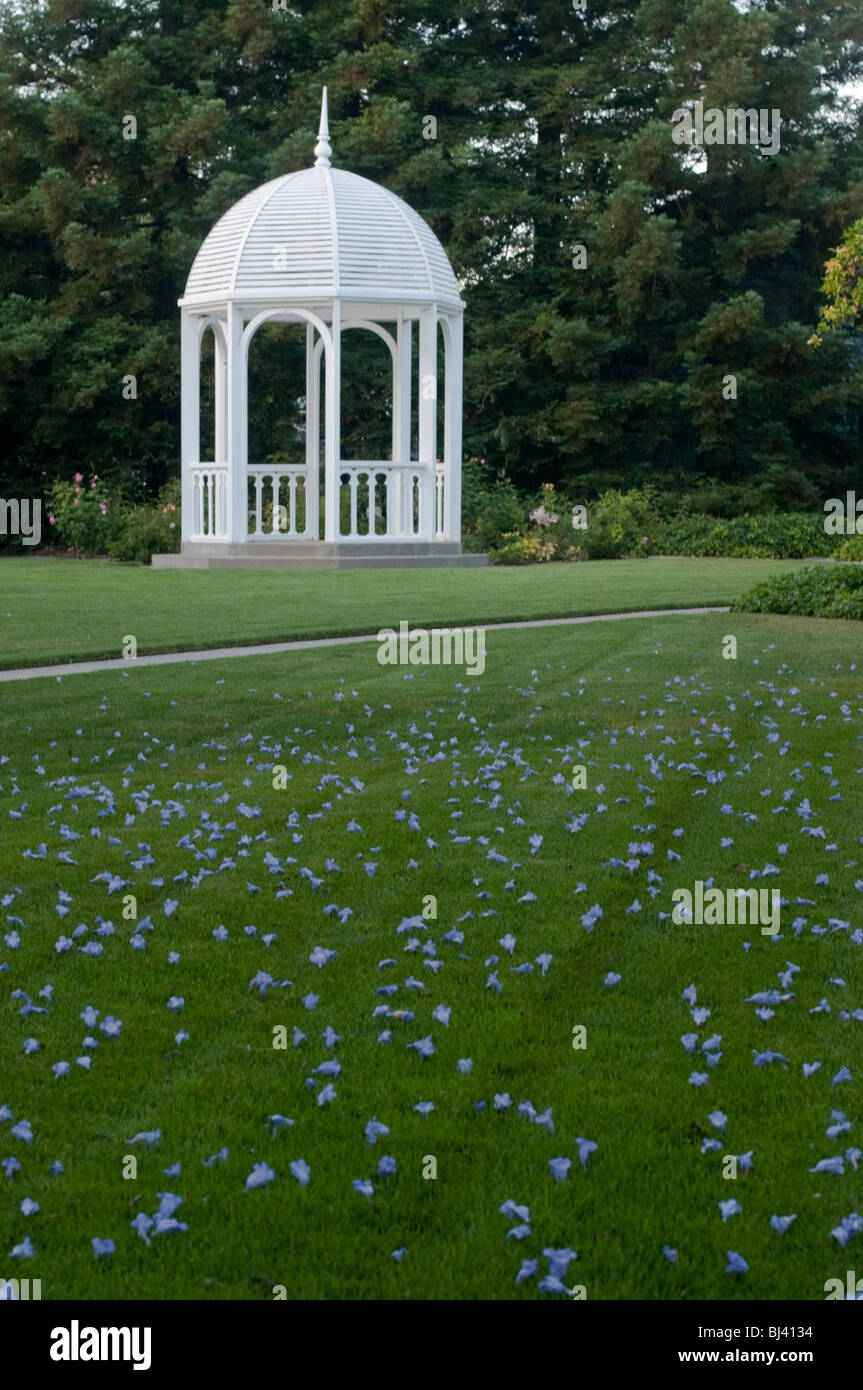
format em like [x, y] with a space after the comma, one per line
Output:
[553, 129]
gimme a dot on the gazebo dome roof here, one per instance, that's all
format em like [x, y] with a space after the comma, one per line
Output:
[317, 233]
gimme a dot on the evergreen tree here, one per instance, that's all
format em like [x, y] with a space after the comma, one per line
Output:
[552, 130]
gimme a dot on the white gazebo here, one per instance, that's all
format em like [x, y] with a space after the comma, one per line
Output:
[328, 249]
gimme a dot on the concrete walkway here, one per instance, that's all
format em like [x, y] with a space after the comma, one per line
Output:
[86, 668]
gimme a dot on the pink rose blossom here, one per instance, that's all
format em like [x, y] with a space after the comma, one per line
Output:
[51, 519]
[102, 508]
[79, 477]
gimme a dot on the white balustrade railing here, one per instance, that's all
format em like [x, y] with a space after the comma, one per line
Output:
[280, 504]
[209, 501]
[378, 500]
[385, 500]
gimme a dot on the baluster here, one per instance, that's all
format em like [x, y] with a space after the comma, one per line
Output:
[304, 479]
[275, 526]
[354, 480]
[211, 477]
[259, 483]
[292, 499]
[373, 490]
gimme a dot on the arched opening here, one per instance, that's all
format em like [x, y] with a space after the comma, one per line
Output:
[208, 482]
[367, 392]
[367, 482]
[440, 458]
[207, 395]
[278, 497]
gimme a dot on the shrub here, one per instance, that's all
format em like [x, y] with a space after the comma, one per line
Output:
[623, 524]
[500, 511]
[818, 591]
[550, 519]
[83, 514]
[849, 548]
[149, 529]
[524, 550]
[785, 536]
[477, 479]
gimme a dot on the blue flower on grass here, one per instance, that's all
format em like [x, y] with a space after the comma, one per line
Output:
[146, 1136]
[585, 1148]
[781, 1223]
[301, 1171]
[559, 1260]
[260, 1175]
[511, 1208]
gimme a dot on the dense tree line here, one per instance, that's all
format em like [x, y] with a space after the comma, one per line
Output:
[553, 130]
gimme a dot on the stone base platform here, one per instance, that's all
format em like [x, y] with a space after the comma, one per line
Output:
[320, 555]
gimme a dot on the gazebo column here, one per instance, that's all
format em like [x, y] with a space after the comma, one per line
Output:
[190, 417]
[332, 427]
[237, 430]
[400, 502]
[313, 435]
[452, 427]
[428, 418]
[220, 362]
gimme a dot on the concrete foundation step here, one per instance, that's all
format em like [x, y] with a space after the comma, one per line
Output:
[321, 555]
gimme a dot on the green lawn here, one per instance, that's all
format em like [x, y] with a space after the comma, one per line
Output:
[59, 610]
[170, 752]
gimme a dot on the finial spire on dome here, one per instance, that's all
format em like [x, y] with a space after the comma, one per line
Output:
[323, 149]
